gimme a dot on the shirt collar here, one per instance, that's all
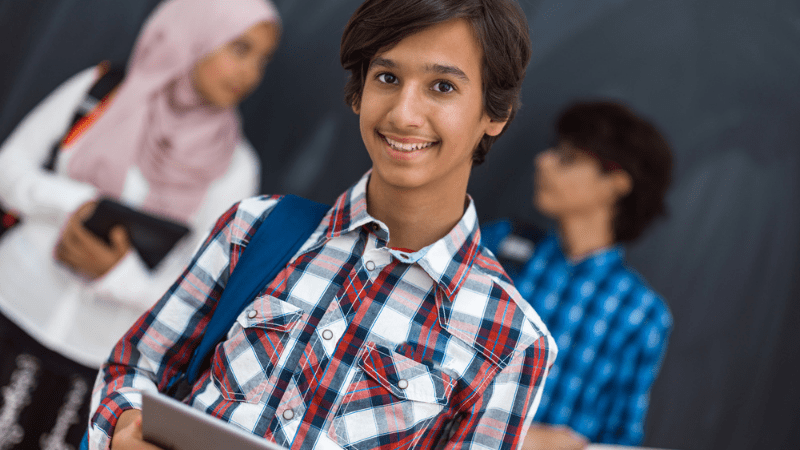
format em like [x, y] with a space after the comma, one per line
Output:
[600, 257]
[446, 261]
[449, 259]
[349, 212]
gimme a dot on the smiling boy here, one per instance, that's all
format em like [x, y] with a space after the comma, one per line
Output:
[392, 327]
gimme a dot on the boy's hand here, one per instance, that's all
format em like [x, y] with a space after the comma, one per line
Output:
[128, 433]
[550, 437]
[86, 253]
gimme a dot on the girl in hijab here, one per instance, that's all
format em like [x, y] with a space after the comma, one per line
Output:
[166, 140]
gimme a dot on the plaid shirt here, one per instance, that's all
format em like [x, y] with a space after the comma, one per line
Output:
[611, 330]
[353, 345]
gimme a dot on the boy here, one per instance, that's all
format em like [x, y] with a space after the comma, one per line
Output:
[603, 184]
[391, 328]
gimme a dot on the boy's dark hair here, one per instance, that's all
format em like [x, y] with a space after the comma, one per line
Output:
[615, 133]
[500, 27]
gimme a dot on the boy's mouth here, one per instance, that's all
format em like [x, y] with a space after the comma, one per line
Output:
[409, 145]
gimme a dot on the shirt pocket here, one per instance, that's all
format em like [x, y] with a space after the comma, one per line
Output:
[390, 395]
[244, 362]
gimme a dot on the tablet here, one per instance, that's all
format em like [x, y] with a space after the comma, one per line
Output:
[172, 425]
[152, 237]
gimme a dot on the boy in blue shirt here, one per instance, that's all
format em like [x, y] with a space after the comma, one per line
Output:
[603, 184]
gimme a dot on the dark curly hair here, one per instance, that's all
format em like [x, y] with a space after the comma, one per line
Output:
[614, 133]
[500, 27]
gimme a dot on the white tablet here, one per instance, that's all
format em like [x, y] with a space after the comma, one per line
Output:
[173, 425]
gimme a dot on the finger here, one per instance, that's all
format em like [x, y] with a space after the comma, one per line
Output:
[85, 211]
[79, 251]
[67, 250]
[68, 234]
[84, 233]
[71, 236]
[119, 239]
[60, 252]
[74, 228]
[94, 257]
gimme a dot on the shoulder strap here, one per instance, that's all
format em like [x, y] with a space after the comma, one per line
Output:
[277, 239]
[111, 76]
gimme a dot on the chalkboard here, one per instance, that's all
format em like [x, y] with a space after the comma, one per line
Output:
[721, 79]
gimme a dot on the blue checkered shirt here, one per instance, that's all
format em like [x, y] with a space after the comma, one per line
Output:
[610, 327]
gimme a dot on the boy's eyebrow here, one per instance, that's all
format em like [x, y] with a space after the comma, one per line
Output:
[447, 70]
[441, 69]
[383, 62]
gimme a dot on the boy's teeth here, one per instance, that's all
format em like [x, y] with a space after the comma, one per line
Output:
[407, 147]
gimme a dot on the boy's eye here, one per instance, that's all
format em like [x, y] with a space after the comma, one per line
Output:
[566, 155]
[444, 87]
[387, 78]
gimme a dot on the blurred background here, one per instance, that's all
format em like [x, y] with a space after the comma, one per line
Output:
[720, 78]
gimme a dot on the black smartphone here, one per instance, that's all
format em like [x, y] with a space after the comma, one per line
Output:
[152, 236]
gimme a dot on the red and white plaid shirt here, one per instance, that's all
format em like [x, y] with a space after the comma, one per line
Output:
[353, 345]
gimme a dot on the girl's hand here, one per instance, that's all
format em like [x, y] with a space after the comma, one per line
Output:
[85, 253]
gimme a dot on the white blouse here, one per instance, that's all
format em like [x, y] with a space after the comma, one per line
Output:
[79, 318]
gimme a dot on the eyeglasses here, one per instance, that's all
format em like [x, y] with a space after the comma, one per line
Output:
[568, 154]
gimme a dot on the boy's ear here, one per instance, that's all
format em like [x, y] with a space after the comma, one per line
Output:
[356, 106]
[496, 126]
[621, 182]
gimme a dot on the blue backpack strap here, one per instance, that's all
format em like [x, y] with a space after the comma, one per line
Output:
[85, 441]
[277, 239]
[288, 226]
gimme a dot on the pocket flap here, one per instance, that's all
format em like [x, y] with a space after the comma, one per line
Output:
[270, 313]
[404, 377]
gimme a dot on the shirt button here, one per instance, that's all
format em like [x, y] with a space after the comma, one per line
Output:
[376, 227]
[252, 314]
[402, 384]
[288, 414]
[327, 335]
[370, 266]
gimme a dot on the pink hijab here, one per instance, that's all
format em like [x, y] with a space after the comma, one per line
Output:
[178, 152]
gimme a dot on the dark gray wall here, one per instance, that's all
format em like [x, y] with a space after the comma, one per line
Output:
[721, 79]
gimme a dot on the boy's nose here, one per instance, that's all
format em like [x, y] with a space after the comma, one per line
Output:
[544, 158]
[407, 110]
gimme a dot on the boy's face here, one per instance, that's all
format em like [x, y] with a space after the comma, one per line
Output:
[570, 182]
[421, 111]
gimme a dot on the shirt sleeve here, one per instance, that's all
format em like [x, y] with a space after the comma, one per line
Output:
[631, 392]
[160, 343]
[25, 187]
[501, 416]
